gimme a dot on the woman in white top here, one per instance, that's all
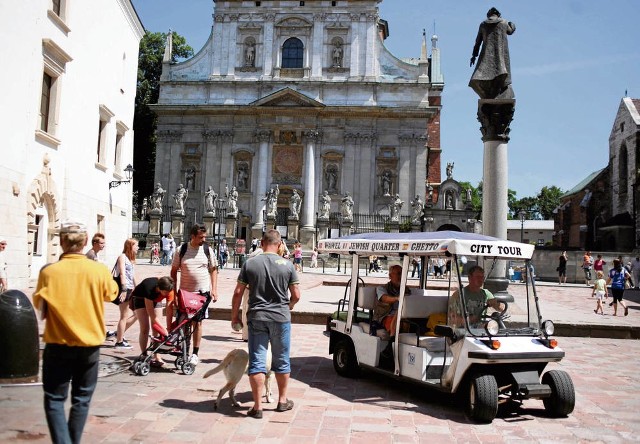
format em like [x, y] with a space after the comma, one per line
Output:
[125, 267]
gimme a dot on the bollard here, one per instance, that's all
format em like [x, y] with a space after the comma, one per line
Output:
[20, 344]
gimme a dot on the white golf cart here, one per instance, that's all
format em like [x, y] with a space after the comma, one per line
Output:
[492, 358]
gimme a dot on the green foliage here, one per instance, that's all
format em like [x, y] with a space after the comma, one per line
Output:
[476, 197]
[539, 207]
[150, 56]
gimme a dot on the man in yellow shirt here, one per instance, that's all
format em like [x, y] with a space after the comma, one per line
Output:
[71, 295]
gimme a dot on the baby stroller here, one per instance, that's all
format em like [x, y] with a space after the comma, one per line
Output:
[191, 308]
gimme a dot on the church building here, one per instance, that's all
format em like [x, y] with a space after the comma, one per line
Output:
[303, 95]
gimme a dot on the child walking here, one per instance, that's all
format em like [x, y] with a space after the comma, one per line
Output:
[599, 291]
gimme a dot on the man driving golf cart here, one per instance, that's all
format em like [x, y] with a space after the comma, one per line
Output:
[476, 299]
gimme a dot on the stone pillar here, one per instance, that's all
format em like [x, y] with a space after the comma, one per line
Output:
[155, 227]
[323, 229]
[209, 222]
[261, 181]
[292, 228]
[394, 226]
[309, 210]
[177, 228]
[230, 227]
[267, 52]
[270, 223]
[345, 227]
[495, 116]
[416, 227]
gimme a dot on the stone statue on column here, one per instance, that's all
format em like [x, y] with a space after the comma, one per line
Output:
[295, 203]
[179, 199]
[325, 206]
[346, 206]
[156, 199]
[418, 209]
[394, 208]
[232, 202]
[210, 199]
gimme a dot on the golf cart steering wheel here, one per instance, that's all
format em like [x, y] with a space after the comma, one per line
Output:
[497, 315]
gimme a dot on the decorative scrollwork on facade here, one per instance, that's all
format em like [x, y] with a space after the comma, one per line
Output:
[169, 135]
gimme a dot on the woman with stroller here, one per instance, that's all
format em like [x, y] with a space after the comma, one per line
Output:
[146, 299]
[125, 270]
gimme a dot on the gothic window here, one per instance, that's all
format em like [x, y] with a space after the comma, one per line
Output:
[292, 53]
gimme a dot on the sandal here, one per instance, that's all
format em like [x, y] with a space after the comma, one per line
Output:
[253, 413]
[156, 363]
[284, 406]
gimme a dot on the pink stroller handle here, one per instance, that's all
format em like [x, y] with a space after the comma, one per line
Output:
[159, 329]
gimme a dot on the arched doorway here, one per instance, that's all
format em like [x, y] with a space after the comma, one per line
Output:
[448, 227]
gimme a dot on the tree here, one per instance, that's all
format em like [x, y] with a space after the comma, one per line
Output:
[150, 57]
[476, 197]
[548, 200]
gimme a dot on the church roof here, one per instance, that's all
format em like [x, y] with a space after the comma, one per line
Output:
[634, 108]
[583, 183]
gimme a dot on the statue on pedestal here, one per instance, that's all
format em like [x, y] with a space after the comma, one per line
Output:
[272, 201]
[190, 178]
[325, 206]
[450, 170]
[394, 208]
[346, 206]
[250, 55]
[180, 198]
[491, 78]
[337, 55]
[418, 209]
[156, 199]
[210, 198]
[294, 205]
[386, 183]
[232, 202]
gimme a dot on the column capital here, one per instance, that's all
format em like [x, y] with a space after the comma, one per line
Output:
[313, 135]
[263, 135]
[495, 116]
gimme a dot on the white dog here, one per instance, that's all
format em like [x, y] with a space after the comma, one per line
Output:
[234, 366]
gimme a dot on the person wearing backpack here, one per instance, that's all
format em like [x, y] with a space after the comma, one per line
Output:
[617, 277]
[198, 269]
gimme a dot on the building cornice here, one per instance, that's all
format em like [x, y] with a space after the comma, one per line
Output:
[132, 17]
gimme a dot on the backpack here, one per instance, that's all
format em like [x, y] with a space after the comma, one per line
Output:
[207, 252]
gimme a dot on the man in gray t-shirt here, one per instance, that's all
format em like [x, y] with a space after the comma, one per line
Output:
[269, 277]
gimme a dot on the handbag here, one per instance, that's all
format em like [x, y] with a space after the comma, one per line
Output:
[116, 278]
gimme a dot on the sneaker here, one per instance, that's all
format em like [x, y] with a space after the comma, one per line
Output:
[253, 413]
[111, 334]
[123, 344]
[284, 406]
[194, 360]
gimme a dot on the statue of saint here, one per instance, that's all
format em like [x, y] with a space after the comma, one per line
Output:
[491, 78]
[232, 202]
[449, 202]
[325, 206]
[394, 208]
[243, 176]
[250, 55]
[295, 204]
[386, 183]
[468, 196]
[346, 206]
[156, 198]
[190, 178]
[418, 208]
[450, 170]
[180, 198]
[337, 55]
[210, 198]
[331, 176]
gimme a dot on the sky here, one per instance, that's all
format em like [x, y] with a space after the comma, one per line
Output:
[571, 63]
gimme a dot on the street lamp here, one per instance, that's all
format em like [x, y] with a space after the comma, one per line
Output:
[128, 173]
[523, 216]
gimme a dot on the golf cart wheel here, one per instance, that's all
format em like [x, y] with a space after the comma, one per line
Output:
[179, 362]
[563, 395]
[144, 368]
[483, 398]
[345, 362]
[188, 368]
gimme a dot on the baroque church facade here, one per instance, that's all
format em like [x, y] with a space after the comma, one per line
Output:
[302, 95]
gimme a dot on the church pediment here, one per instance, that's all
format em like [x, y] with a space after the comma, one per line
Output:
[288, 97]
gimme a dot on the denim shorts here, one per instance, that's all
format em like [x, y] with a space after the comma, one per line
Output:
[261, 333]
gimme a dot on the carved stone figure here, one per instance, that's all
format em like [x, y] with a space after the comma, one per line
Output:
[331, 178]
[468, 196]
[250, 55]
[295, 204]
[232, 202]
[418, 209]
[272, 201]
[346, 206]
[243, 176]
[190, 178]
[210, 198]
[337, 55]
[325, 206]
[179, 199]
[156, 199]
[429, 194]
[394, 208]
[449, 201]
[491, 78]
[450, 170]
[145, 207]
[386, 183]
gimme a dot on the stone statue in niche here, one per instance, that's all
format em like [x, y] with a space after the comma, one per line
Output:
[386, 183]
[243, 176]
[156, 199]
[179, 199]
[210, 198]
[449, 201]
[250, 54]
[337, 55]
[325, 206]
[295, 203]
[190, 178]
[394, 208]
[331, 178]
[346, 206]
[232, 202]
[418, 209]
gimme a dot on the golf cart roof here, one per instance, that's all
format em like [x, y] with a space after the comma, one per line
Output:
[436, 243]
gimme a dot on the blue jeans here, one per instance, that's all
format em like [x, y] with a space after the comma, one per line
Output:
[164, 260]
[61, 364]
[261, 333]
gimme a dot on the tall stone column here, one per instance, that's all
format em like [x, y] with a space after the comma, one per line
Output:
[308, 231]
[495, 116]
[263, 137]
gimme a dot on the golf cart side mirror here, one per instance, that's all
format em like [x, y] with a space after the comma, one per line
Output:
[504, 298]
[444, 330]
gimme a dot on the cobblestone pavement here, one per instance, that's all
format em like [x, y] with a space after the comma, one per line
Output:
[167, 406]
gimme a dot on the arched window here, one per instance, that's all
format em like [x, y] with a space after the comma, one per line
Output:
[292, 53]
